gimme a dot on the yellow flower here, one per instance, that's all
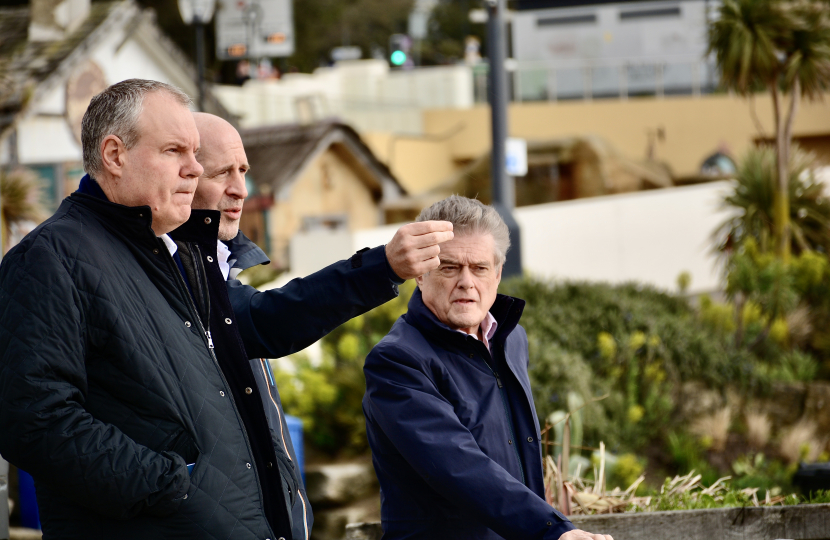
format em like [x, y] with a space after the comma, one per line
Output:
[637, 340]
[635, 413]
[607, 345]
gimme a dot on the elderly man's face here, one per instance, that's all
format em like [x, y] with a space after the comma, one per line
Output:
[161, 170]
[222, 186]
[462, 289]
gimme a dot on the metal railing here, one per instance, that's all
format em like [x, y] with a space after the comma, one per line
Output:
[537, 81]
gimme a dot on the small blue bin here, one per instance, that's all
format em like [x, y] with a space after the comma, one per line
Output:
[29, 515]
[295, 430]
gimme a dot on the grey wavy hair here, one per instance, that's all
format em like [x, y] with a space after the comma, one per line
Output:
[116, 111]
[469, 216]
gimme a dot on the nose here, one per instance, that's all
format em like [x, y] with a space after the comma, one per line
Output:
[236, 187]
[465, 278]
[192, 168]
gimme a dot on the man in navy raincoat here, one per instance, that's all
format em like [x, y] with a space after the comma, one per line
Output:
[449, 412]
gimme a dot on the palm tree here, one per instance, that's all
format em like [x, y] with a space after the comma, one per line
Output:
[754, 200]
[783, 46]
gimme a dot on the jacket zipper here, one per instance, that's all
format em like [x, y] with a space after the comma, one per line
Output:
[268, 378]
[509, 419]
[209, 344]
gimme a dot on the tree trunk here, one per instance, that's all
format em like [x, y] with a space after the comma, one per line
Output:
[740, 300]
[781, 210]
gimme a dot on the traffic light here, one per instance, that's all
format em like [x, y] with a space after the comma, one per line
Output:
[399, 46]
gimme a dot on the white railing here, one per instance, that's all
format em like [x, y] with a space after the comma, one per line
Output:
[620, 79]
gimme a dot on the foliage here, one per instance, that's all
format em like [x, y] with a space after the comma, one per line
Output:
[20, 195]
[328, 397]
[259, 275]
[756, 471]
[449, 26]
[777, 45]
[753, 198]
[631, 342]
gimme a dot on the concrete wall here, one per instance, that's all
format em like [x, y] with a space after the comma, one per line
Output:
[649, 237]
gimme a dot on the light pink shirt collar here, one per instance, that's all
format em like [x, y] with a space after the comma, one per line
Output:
[488, 329]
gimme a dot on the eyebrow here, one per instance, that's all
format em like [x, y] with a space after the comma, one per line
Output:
[458, 263]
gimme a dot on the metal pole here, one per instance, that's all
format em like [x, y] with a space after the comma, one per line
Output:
[504, 194]
[200, 60]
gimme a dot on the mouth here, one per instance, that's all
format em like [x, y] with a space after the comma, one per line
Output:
[463, 301]
[233, 213]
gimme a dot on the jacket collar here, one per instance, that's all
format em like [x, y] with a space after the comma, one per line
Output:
[132, 221]
[245, 253]
[506, 310]
[203, 225]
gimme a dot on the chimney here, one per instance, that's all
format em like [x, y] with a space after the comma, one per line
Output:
[55, 19]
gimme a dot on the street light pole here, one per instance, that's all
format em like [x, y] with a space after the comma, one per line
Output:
[198, 13]
[504, 194]
[200, 60]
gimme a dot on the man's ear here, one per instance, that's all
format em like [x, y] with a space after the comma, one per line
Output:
[419, 281]
[498, 274]
[112, 155]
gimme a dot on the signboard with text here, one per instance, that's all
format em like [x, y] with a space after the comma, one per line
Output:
[254, 29]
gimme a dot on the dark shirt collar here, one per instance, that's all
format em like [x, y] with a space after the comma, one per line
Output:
[89, 186]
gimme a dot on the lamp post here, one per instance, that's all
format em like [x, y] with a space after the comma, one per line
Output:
[504, 193]
[198, 13]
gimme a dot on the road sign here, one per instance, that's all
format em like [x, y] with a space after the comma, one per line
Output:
[516, 161]
[254, 29]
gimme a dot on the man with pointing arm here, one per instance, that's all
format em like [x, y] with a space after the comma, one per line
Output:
[281, 321]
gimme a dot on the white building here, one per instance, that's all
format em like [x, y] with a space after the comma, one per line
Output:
[602, 48]
[54, 57]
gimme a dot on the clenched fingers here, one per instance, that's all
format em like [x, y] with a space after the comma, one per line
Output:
[415, 247]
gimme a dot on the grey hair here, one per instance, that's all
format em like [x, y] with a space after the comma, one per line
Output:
[116, 111]
[469, 216]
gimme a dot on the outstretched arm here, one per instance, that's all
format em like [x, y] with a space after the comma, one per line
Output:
[282, 321]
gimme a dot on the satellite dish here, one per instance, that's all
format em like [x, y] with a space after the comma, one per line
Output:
[191, 9]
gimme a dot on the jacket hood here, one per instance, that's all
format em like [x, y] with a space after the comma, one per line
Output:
[506, 310]
[244, 253]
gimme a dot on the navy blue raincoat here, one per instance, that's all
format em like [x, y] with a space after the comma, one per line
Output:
[453, 430]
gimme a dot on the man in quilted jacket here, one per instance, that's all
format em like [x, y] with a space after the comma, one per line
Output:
[125, 387]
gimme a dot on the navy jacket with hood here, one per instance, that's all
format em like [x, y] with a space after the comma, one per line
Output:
[453, 431]
[279, 322]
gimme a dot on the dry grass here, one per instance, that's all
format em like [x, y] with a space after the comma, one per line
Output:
[799, 443]
[758, 428]
[581, 496]
[713, 429]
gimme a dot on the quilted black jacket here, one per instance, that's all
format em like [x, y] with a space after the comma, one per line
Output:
[108, 387]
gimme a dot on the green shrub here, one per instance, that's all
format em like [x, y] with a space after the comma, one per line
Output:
[634, 343]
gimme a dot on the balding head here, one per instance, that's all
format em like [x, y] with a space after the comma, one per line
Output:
[222, 186]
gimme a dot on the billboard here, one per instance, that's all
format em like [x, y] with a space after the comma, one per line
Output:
[254, 29]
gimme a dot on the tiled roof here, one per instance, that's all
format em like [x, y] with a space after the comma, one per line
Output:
[25, 66]
[278, 153]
